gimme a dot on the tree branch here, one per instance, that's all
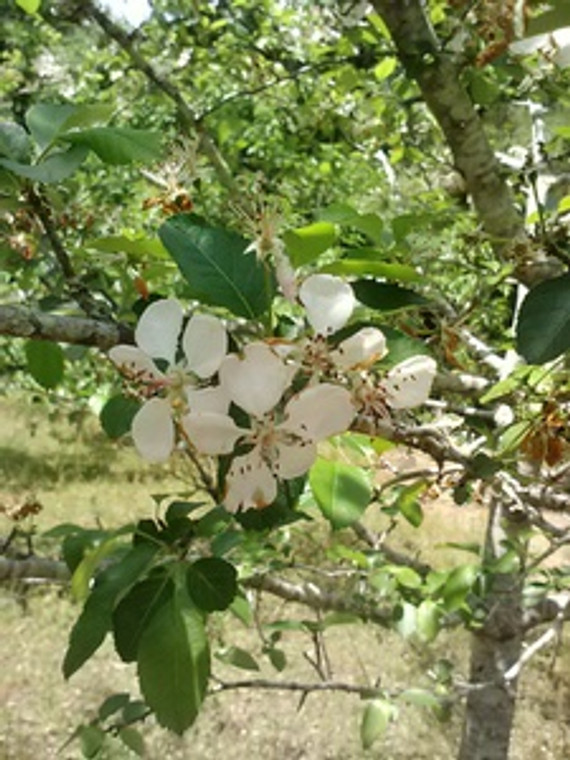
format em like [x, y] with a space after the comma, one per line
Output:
[188, 119]
[437, 73]
[19, 321]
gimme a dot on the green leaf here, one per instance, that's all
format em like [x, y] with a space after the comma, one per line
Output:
[132, 739]
[342, 491]
[375, 721]
[83, 573]
[543, 328]
[14, 141]
[212, 583]
[237, 657]
[385, 296]
[91, 739]
[45, 362]
[385, 68]
[140, 247]
[458, 585]
[55, 168]
[427, 620]
[341, 213]
[132, 614]
[46, 120]
[364, 267]
[278, 659]
[241, 608]
[420, 698]
[174, 663]
[30, 6]
[408, 505]
[305, 244]
[95, 619]
[117, 415]
[550, 20]
[119, 145]
[112, 704]
[217, 269]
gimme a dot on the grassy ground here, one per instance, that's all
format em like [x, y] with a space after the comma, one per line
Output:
[80, 477]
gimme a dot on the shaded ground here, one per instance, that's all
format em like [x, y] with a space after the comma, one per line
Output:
[79, 477]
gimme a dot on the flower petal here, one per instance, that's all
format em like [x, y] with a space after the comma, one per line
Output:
[319, 412]
[211, 399]
[294, 458]
[360, 350]
[249, 483]
[135, 363]
[212, 433]
[408, 384]
[153, 430]
[205, 343]
[328, 301]
[158, 329]
[256, 382]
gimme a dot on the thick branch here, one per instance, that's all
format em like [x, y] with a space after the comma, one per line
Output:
[318, 599]
[438, 76]
[22, 322]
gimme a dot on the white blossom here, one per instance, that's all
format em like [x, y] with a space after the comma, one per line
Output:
[204, 345]
[284, 445]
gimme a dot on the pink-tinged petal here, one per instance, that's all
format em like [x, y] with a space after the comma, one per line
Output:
[256, 382]
[212, 433]
[319, 412]
[328, 301]
[205, 343]
[249, 483]
[153, 430]
[360, 350]
[408, 384]
[211, 399]
[158, 329]
[136, 364]
[294, 458]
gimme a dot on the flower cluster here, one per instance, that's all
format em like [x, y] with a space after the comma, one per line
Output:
[269, 405]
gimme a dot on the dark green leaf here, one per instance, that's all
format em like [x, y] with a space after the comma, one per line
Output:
[117, 415]
[119, 145]
[95, 620]
[549, 20]
[342, 491]
[278, 659]
[181, 509]
[212, 583]
[174, 663]
[55, 168]
[237, 657]
[216, 267]
[543, 328]
[113, 704]
[45, 362]
[91, 739]
[132, 739]
[385, 296]
[132, 614]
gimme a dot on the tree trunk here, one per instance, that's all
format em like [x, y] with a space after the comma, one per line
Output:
[495, 648]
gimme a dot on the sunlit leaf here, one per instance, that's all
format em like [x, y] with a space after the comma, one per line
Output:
[342, 491]
[375, 721]
[305, 244]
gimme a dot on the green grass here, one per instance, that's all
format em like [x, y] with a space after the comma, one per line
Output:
[81, 477]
